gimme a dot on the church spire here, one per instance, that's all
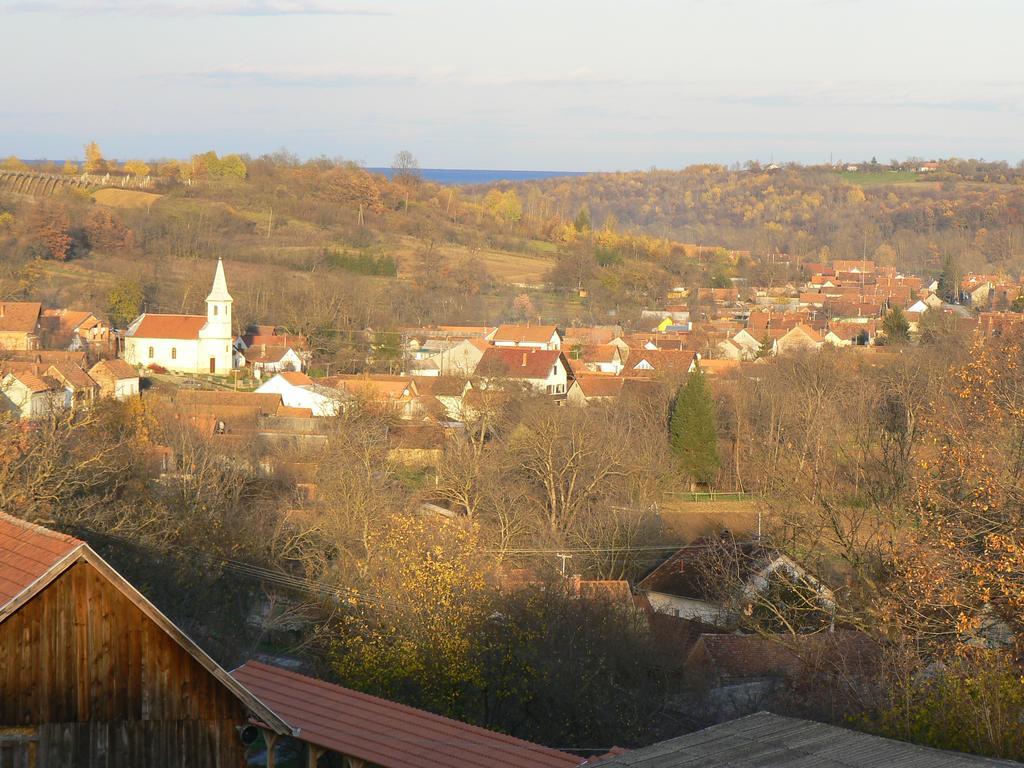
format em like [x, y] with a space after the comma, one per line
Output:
[219, 292]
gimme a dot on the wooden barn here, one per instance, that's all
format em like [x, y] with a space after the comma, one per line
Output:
[92, 674]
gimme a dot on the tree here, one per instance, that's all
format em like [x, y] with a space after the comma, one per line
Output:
[124, 303]
[693, 430]
[49, 225]
[767, 348]
[70, 168]
[522, 307]
[896, 327]
[405, 170]
[582, 221]
[136, 168]
[14, 163]
[949, 281]
[94, 162]
[105, 231]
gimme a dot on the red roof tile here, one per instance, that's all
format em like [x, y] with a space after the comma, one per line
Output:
[169, 326]
[518, 363]
[27, 552]
[528, 334]
[19, 316]
[384, 733]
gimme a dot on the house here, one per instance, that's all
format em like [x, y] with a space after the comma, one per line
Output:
[103, 677]
[662, 362]
[445, 357]
[530, 336]
[735, 675]
[30, 396]
[297, 390]
[19, 324]
[543, 370]
[186, 343]
[264, 359]
[764, 740]
[345, 727]
[448, 391]
[392, 394]
[75, 330]
[603, 358]
[799, 338]
[116, 379]
[689, 584]
[586, 389]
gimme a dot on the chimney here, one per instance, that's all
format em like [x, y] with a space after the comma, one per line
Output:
[263, 349]
[3, 310]
[524, 359]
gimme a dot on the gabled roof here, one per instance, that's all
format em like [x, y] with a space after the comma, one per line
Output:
[518, 363]
[153, 326]
[266, 353]
[296, 378]
[387, 734]
[32, 557]
[116, 368]
[19, 316]
[528, 334]
[27, 553]
[34, 382]
[765, 740]
[600, 385]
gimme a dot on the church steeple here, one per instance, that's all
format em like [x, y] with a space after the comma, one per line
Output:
[219, 292]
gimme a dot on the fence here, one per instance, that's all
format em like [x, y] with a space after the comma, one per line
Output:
[714, 496]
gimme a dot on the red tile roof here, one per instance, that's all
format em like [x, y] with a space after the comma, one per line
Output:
[169, 326]
[116, 368]
[27, 552]
[295, 378]
[518, 363]
[600, 386]
[19, 316]
[528, 334]
[384, 733]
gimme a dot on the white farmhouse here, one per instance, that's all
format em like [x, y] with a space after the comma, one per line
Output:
[186, 343]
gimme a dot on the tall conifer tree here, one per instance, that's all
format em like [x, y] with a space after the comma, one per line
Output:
[693, 429]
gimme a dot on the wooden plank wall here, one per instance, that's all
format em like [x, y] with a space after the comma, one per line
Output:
[102, 681]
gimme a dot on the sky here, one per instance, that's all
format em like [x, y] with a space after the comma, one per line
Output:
[579, 85]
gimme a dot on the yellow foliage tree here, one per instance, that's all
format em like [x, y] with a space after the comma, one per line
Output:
[136, 168]
[94, 162]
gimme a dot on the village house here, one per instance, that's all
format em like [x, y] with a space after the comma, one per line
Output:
[662, 362]
[116, 379]
[688, 584]
[398, 395]
[186, 343]
[543, 370]
[529, 336]
[74, 330]
[799, 338]
[264, 359]
[30, 396]
[297, 390]
[19, 324]
[586, 389]
[447, 357]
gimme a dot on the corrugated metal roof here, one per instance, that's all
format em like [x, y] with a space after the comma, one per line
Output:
[27, 552]
[384, 733]
[770, 741]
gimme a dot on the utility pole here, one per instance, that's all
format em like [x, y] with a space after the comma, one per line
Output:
[563, 558]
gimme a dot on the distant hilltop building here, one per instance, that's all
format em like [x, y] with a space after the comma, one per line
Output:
[186, 343]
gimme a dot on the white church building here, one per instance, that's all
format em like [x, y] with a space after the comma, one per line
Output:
[186, 343]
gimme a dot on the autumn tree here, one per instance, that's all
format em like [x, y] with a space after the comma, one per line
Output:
[13, 163]
[693, 430]
[105, 230]
[94, 161]
[49, 226]
[136, 168]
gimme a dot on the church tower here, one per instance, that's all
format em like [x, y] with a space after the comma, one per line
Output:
[215, 338]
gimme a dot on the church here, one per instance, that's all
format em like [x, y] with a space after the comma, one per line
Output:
[186, 343]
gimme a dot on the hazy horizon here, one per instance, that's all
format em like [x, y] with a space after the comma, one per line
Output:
[570, 86]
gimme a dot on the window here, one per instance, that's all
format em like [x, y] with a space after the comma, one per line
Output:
[150, 353]
[174, 353]
[554, 370]
[214, 309]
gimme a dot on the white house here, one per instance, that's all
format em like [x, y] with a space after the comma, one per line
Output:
[266, 359]
[31, 396]
[544, 370]
[186, 343]
[297, 390]
[530, 336]
[444, 357]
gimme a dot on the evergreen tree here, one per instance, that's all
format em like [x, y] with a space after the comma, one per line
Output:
[949, 281]
[896, 327]
[767, 348]
[693, 429]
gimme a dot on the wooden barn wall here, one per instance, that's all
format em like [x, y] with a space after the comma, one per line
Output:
[108, 687]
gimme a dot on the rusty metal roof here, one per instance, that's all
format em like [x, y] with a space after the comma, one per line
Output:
[27, 553]
[384, 733]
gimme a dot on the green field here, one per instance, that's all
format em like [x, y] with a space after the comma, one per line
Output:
[877, 178]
